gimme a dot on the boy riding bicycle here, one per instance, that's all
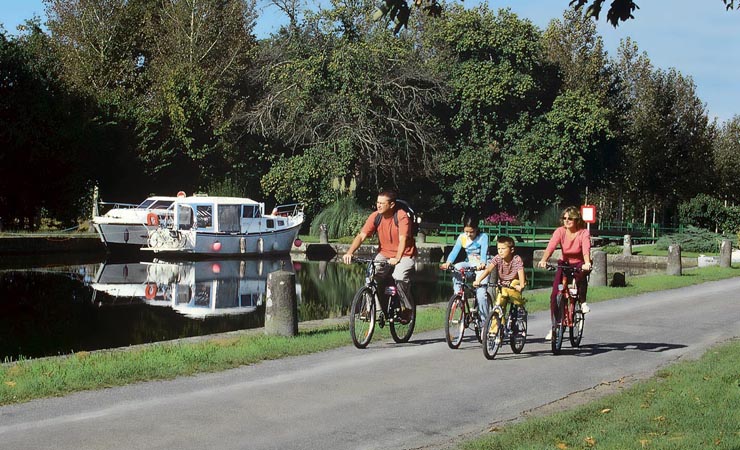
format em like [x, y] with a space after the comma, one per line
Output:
[510, 270]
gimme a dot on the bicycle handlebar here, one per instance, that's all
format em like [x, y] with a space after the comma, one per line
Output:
[553, 267]
[368, 260]
[462, 270]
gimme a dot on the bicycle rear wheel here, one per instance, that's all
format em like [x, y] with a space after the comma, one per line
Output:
[493, 335]
[402, 328]
[576, 331]
[455, 325]
[558, 329]
[518, 336]
[362, 317]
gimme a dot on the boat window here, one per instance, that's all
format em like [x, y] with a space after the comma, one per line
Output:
[161, 204]
[202, 297]
[270, 223]
[250, 211]
[228, 218]
[185, 217]
[183, 294]
[205, 216]
[249, 300]
[281, 223]
[145, 204]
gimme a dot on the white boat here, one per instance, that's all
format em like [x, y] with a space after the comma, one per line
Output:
[128, 224]
[213, 226]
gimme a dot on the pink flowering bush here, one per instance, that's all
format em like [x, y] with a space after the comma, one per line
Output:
[501, 217]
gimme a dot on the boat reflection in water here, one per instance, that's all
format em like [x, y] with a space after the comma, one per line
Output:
[196, 289]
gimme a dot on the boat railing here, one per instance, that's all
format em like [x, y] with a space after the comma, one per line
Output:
[288, 210]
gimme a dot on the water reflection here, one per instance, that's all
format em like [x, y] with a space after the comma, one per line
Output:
[196, 289]
[88, 305]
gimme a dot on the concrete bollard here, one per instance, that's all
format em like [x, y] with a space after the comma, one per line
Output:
[627, 247]
[421, 237]
[674, 260]
[725, 253]
[323, 234]
[281, 309]
[598, 271]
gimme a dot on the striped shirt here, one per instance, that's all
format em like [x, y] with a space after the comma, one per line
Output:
[507, 272]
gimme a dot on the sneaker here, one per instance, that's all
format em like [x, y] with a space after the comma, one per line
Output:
[585, 308]
[549, 335]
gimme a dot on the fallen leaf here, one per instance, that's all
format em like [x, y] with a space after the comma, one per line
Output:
[10, 383]
[562, 445]
[606, 410]
[717, 441]
[590, 441]
[659, 419]
[644, 442]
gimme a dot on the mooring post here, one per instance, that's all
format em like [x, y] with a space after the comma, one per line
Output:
[281, 309]
[725, 253]
[627, 247]
[674, 260]
[323, 234]
[598, 269]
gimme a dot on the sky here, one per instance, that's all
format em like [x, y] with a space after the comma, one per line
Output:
[702, 42]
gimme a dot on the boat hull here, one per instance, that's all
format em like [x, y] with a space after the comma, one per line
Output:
[124, 234]
[215, 244]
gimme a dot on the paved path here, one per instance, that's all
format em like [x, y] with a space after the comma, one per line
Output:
[418, 395]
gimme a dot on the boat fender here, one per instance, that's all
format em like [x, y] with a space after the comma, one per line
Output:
[150, 291]
[152, 219]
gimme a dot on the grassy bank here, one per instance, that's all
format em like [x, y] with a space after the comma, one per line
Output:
[688, 405]
[28, 379]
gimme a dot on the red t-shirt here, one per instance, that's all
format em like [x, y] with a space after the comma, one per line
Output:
[573, 249]
[388, 234]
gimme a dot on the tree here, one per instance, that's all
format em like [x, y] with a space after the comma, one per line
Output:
[47, 136]
[619, 10]
[342, 85]
[668, 132]
[727, 160]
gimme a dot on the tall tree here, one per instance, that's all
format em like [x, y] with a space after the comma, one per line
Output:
[727, 159]
[349, 90]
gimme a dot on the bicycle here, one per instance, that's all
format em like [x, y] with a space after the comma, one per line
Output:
[366, 310]
[567, 312]
[515, 329]
[460, 315]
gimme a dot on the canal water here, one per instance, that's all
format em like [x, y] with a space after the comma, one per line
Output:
[60, 308]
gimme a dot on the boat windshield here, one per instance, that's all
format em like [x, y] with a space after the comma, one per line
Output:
[161, 204]
[145, 204]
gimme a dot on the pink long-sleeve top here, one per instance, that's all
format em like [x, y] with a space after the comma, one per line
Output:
[573, 249]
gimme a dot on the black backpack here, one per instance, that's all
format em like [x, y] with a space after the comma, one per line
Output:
[404, 205]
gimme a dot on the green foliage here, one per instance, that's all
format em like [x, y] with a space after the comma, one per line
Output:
[727, 159]
[693, 239]
[345, 217]
[702, 211]
[612, 249]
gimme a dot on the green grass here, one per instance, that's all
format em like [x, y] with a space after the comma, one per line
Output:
[651, 250]
[689, 405]
[25, 380]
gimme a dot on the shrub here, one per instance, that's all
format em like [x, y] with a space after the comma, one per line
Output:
[344, 217]
[612, 249]
[693, 239]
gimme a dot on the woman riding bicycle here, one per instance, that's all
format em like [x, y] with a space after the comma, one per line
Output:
[476, 250]
[574, 240]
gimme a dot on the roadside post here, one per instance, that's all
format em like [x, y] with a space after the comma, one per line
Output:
[725, 253]
[598, 270]
[674, 260]
[281, 309]
[627, 247]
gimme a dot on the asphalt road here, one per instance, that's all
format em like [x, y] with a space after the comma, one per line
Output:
[417, 395]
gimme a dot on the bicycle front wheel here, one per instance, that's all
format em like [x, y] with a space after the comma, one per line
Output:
[493, 335]
[518, 336]
[558, 329]
[576, 331]
[362, 317]
[403, 327]
[455, 325]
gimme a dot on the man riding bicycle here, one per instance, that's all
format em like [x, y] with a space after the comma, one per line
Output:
[397, 246]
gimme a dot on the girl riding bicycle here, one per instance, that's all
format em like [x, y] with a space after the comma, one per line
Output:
[574, 240]
[476, 249]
